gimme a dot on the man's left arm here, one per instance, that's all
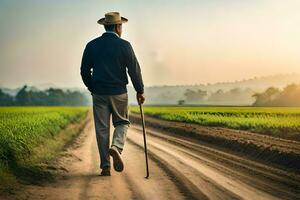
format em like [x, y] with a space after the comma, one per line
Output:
[85, 69]
[134, 70]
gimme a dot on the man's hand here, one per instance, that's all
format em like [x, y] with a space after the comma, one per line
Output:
[140, 98]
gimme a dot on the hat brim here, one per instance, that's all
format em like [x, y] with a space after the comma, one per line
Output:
[103, 22]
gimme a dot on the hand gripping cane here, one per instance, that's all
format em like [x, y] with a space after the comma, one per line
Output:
[145, 143]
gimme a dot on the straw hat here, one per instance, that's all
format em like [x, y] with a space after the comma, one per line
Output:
[112, 18]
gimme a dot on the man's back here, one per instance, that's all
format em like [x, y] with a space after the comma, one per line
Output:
[109, 56]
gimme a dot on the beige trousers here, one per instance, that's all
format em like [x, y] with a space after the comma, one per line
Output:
[105, 106]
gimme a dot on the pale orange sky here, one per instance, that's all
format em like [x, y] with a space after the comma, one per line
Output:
[176, 42]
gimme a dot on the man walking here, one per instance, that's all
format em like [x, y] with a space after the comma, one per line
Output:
[104, 64]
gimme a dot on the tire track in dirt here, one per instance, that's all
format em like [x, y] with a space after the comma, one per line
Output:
[283, 183]
[278, 152]
[206, 169]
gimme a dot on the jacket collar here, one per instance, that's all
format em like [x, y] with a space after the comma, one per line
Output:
[110, 33]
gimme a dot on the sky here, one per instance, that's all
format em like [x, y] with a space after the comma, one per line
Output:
[176, 42]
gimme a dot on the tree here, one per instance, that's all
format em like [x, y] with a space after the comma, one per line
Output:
[6, 99]
[267, 97]
[195, 96]
[181, 102]
[290, 96]
[217, 96]
[23, 97]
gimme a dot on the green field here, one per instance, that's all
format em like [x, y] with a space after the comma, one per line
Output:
[281, 122]
[24, 129]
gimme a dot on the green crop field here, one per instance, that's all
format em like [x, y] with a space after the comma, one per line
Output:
[22, 129]
[279, 121]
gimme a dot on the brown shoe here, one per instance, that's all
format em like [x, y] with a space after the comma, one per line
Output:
[118, 163]
[105, 171]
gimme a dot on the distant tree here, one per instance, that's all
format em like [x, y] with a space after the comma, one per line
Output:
[235, 91]
[234, 96]
[195, 96]
[23, 97]
[6, 99]
[38, 97]
[290, 96]
[181, 102]
[266, 98]
[217, 96]
[75, 98]
[55, 96]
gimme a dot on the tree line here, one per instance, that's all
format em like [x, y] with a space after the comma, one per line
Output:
[233, 96]
[48, 97]
[289, 96]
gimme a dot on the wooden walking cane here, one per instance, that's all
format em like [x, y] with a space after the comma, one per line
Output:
[145, 143]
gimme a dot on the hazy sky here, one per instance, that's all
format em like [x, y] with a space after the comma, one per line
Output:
[176, 42]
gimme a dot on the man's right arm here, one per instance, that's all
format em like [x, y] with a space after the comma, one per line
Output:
[85, 69]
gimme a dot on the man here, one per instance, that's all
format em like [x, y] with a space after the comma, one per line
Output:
[104, 64]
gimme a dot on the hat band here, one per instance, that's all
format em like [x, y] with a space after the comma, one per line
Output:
[113, 21]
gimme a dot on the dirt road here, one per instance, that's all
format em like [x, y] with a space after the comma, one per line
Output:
[179, 169]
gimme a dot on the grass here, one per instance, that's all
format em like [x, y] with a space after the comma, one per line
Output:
[280, 121]
[30, 135]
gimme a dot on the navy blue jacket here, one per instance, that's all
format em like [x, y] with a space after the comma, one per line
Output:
[105, 63]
